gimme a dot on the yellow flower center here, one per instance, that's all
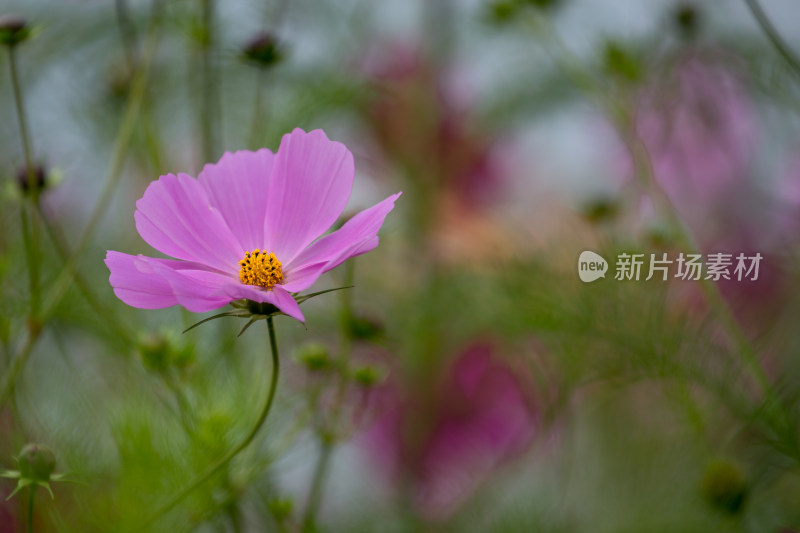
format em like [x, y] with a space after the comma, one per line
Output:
[260, 268]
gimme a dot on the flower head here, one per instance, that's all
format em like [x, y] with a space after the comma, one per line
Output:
[249, 227]
[445, 441]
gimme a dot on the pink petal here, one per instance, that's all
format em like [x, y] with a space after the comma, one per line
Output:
[299, 279]
[149, 283]
[357, 236]
[277, 297]
[310, 185]
[176, 217]
[237, 186]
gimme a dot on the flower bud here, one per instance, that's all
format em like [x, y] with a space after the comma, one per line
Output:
[13, 30]
[621, 62]
[263, 50]
[543, 4]
[367, 376]
[281, 508]
[314, 356]
[687, 19]
[600, 209]
[365, 328]
[724, 486]
[39, 179]
[160, 351]
[36, 463]
[502, 11]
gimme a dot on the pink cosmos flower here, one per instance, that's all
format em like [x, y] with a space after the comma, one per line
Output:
[443, 442]
[248, 228]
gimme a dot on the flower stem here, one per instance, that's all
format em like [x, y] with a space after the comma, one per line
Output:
[29, 232]
[317, 484]
[224, 460]
[773, 35]
[327, 436]
[209, 111]
[30, 507]
[644, 171]
[60, 245]
[23, 124]
[124, 136]
[127, 34]
[18, 362]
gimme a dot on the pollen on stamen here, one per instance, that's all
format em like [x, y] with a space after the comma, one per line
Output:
[261, 269]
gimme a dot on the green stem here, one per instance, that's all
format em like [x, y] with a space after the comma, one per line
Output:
[28, 226]
[18, 362]
[30, 507]
[717, 303]
[23, 125]
[224, 460]
[59, 243]
[773, 35]
[318, 483]
[258, 110]
[644, 170]
[62, 283]
[30, 259]
[124, 136]
[126, 33]
[327, 436]
[209, 102]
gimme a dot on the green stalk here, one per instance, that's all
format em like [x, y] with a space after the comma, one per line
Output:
[773, 35]
[127, 34]
[30, 507]
[209, 111]
[224, 460]
[327, 440]
[62, 283]
[29, 233]
[644, 170]
[124, 136]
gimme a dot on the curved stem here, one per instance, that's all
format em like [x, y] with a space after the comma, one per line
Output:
[772, 34]
[224, 460]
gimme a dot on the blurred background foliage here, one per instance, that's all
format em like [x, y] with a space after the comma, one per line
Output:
[469, 381]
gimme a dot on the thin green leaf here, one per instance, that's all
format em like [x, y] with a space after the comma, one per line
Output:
[250, 323]
[226, 313]
[303, 298]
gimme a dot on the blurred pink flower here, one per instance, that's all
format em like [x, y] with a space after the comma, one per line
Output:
[699, 127]
[422, 122]
[247, 228]
[443, 442]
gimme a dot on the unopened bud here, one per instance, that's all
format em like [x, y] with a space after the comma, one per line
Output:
[367, 376]
[36, 463]
[365, 328]
[263, 50]
[39, 180]
[13, 30]
[314, 356]
[687, 19]
[724, 486]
